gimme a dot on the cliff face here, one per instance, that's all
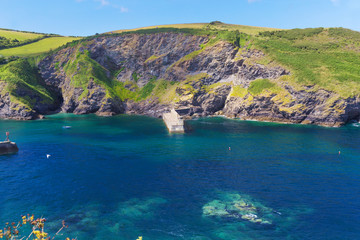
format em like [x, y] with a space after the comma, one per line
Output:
[23, 93]
[150, 74]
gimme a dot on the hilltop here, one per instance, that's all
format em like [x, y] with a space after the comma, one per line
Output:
[307, 76]
[251, 30]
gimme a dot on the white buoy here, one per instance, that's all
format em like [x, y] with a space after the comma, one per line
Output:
[48, 156]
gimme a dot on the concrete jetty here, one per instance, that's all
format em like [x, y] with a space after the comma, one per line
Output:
[8, 147]
[174, 122]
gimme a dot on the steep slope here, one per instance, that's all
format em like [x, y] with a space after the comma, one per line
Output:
[307, 76]
[23, 93]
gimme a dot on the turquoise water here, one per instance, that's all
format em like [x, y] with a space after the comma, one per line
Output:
[125, 176]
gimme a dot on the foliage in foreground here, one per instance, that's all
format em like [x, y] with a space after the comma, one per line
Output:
[28, 228]
[33, 228]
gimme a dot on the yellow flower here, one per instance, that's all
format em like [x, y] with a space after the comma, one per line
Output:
[37, 233]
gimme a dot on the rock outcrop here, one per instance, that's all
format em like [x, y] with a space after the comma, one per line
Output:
[110, 75]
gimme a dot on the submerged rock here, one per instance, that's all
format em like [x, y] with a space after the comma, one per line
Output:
[240, 207]
[139, 208]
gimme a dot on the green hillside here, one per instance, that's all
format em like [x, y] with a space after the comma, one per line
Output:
[20, 36]
[11, 38]
[22, 74]
[318, 57]
[326, 58]
[281, 66]
[36, 48]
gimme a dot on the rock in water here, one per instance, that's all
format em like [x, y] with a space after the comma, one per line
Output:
[8, 147]
[239, 207]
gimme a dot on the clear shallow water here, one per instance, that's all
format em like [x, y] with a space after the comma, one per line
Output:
[125, 176]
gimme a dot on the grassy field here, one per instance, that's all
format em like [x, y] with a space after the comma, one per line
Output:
[215, 25]
[21, 36]
[324, 58]
[36, 48]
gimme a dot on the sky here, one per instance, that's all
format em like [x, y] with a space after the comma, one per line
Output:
[87, 17]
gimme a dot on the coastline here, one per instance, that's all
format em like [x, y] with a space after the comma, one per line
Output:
[192, 118]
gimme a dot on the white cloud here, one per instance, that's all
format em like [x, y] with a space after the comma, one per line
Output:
[103, 2]
[107, 3]
[124, 9]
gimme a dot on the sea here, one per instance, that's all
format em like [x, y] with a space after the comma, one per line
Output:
[125, 177]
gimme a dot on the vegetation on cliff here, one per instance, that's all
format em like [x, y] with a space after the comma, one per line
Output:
[24, 84]
[295, 71]
[325, 58]
[82, 69]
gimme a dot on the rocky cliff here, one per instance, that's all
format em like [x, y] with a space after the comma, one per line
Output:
[201, 75]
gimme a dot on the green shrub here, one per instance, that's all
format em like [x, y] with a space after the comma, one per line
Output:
[147, 89]
[257, 86]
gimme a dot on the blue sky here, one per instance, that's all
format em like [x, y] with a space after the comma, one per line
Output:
[87, 17]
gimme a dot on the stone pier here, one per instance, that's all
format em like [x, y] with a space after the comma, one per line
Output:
[174, 122]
